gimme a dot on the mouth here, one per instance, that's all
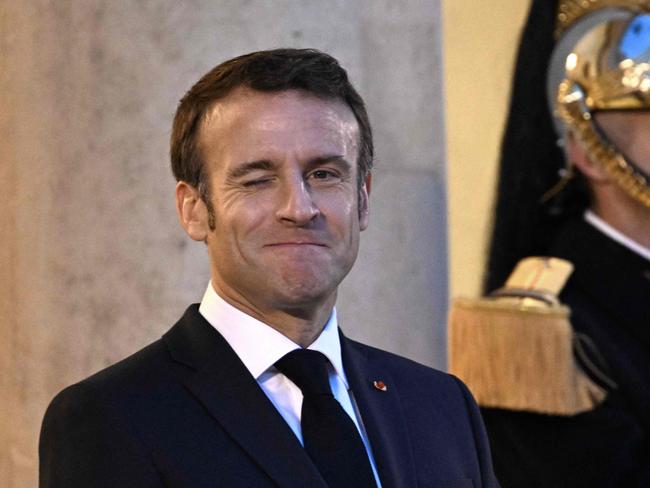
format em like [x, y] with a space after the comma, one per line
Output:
[297, 244]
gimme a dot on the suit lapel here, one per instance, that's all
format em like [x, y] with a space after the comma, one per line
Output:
[225, 387]
[382, 415]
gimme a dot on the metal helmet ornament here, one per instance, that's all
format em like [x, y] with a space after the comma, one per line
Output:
[601, 62]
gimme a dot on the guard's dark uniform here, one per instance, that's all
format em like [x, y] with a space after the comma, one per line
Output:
[609, 295]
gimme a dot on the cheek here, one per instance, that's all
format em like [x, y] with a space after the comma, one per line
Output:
[238, 225]
[639, 154]
[644, 155]
[340, 202]
[343, 222]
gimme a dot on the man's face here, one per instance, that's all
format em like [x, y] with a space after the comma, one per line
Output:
[288, 211]
[630, 133]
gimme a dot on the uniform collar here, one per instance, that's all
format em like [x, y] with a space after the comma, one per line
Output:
[616, 235]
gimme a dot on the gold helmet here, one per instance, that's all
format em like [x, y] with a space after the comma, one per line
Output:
[602, 62]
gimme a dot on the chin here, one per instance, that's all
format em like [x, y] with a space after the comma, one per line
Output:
[305, 293]
[302, 294]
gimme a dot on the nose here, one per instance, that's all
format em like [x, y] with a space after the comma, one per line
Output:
[297, 207]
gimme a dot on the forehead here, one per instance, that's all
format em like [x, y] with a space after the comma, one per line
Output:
[250, 121]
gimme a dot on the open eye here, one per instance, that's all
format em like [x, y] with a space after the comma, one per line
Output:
[324, 175]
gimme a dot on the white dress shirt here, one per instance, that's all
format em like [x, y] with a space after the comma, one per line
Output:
[616, 235]
[259, 346]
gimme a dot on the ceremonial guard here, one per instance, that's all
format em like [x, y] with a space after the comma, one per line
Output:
[559, 356]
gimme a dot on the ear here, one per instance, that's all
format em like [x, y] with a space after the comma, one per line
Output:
[192, 211]
[579, 158]
[364, 202]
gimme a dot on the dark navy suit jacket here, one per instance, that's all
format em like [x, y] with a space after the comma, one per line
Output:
[185, 412]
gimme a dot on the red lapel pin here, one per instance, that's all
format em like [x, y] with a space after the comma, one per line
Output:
[380, 385]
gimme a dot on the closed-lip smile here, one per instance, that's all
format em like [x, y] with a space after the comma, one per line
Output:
[296, 243]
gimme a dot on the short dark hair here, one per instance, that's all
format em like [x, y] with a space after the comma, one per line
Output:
[267, 71]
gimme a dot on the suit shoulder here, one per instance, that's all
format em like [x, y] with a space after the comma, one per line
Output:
[139, 366]
[87, 430]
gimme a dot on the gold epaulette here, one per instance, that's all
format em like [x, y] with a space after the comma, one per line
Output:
[514, 349]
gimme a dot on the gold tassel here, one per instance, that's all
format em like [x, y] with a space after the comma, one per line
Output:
[516, 353]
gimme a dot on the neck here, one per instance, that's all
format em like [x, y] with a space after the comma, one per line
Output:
[301, 323]
[623, 213]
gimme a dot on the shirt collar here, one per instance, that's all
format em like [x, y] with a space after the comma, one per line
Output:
[616, 235]
[258, 345]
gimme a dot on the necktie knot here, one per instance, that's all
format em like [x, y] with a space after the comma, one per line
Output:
[308, 370]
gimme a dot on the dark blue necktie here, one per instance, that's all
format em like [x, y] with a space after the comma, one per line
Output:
[330, 437]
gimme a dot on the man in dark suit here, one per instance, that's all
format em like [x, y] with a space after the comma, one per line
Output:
[256, 386]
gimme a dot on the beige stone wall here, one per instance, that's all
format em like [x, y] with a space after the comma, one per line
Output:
[93, 264]
[480, 40]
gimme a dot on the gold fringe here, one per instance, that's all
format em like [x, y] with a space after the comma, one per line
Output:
[519, 358]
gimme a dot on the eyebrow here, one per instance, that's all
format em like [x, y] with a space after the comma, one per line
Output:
[335, 159]
[266, 165]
